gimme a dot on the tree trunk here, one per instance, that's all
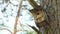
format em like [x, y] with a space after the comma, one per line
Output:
[52, 8]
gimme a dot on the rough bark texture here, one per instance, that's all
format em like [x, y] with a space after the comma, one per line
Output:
[52, 8]
[41, 20]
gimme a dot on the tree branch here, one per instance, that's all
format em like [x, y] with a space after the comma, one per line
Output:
[6, 29]
[33, 3]
[35, 29]
[15, 26]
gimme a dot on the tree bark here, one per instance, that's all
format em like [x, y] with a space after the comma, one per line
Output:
[52, 8]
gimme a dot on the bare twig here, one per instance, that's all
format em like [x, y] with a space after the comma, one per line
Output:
[35, 29]
[21, 25]
[6, 29]
[15, 26]
[21, 30]
[33, 3]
